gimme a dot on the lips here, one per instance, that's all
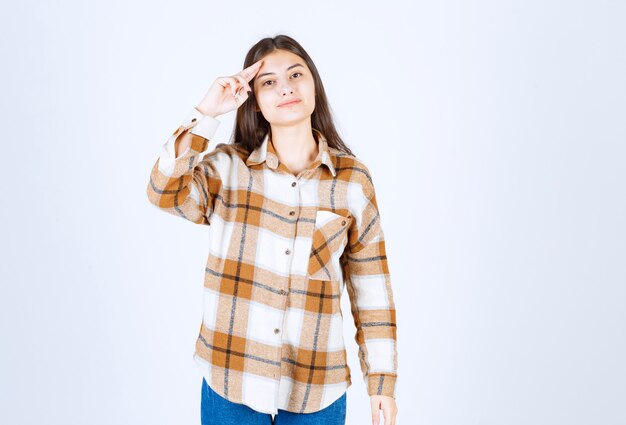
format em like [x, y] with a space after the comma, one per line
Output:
[289, 103]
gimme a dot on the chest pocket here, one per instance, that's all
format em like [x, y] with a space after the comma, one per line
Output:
[330, 236]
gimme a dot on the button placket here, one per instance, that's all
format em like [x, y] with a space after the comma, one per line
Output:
[292, 213]
[288, 251]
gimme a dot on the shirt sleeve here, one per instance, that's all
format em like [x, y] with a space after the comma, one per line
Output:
[366, 274]
[185, 186]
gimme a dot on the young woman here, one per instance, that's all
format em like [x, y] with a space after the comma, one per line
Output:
[293, 218]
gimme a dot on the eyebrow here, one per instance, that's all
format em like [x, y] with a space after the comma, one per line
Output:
[272, 73]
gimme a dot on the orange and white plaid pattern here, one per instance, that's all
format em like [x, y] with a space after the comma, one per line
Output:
[281, 249]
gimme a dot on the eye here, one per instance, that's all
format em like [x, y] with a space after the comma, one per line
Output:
[265, 82]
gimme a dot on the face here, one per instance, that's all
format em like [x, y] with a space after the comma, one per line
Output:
[284, 76]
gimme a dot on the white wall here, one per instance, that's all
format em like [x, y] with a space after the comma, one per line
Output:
[495, 133]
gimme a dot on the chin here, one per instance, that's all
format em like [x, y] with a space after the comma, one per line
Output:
[282, 120]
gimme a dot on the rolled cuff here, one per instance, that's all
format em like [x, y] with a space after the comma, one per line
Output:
[381, 384]
[200, 125]
[204, 125]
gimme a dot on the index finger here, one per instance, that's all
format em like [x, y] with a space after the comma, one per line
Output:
[249, 72]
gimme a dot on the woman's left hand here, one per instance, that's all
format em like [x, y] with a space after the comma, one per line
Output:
[387, 405]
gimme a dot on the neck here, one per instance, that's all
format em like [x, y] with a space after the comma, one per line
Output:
[294, 143]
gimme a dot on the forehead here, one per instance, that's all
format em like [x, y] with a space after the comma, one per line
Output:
[278, 62]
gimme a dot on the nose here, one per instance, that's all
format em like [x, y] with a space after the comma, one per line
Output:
[286, 89]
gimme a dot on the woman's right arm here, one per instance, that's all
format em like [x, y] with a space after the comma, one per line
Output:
[182, 184]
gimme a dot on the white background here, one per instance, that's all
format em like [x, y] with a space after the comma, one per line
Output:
[496, 135]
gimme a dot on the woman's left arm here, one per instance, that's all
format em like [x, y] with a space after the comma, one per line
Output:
[366, 274]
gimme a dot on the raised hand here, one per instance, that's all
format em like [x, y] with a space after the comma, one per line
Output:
[228, 93]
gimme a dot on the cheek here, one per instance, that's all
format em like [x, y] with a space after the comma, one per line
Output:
[308, 89]
[262, 100]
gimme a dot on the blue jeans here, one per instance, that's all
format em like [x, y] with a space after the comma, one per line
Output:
[215, 410]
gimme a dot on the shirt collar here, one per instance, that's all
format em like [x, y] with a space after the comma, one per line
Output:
[266, 152]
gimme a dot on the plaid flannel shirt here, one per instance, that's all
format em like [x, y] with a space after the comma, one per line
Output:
[281, 249]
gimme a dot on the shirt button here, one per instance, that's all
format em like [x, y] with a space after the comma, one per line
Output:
[292, 212]
[276, 330]
[293, 184]
[343, 222]
[287, 252]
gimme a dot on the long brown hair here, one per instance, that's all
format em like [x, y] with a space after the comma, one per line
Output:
[251, 126]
